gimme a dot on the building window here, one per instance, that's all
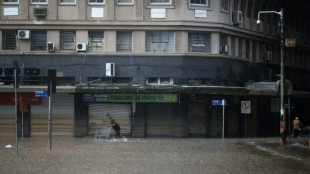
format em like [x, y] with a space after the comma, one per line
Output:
[9, 38]
[67, 1]
[224, 4]
[96, 1]
[200, 2]
[160, 1]
[125, 1]
[67, 40]
[38, 1]
[159, 81]
[159, 41]
[10, 1]
[38, 41]
[199, 42]
[96, 41]
[124, 42]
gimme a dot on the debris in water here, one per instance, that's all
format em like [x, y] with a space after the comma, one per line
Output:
[8, 146]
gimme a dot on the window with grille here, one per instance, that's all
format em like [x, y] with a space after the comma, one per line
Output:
[67, 40]
[159, 41]
[10, 1]
[124, 42]
[160, 1]
[125, 1]
[159, 81]
[96, 1]
[38, 41]
[9, 39]
[67, 1]
[38, 1]
[200, 2]
[199, 42]
[96, 41]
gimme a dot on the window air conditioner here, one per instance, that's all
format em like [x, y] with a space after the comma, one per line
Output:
[51, 46]
[267, 55]
[81, 46]
[40, 12]
[224, 49]
[23, 34]
[237, 17]
[110, 69]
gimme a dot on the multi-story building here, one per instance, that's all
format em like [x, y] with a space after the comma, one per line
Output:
[157, 66]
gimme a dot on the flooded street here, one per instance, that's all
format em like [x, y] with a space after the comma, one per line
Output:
[153, 155]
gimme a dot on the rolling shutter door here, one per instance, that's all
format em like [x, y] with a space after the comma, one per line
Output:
[160, 120]
[121, 113]
[198, 119]
[7, 120]
[62, 118]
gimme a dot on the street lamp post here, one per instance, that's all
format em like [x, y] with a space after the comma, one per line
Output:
[282, 111]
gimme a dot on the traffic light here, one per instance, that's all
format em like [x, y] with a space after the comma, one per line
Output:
[23, 105]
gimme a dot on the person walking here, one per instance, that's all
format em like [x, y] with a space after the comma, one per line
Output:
[115, 127]
[296, 127]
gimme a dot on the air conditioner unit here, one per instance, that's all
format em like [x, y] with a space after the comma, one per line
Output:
[110, 69]
[40, 12]
[224, 49]
[23, 34]
[237, 17]
[81, 46]
[51, 46]
[267, 55]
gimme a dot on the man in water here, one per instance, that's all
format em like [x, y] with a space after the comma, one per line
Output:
[115, 127]
[296, 127]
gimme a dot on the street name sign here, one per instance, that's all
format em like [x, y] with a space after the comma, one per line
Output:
[42, 93]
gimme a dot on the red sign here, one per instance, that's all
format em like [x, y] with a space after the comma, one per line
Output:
[9, 98]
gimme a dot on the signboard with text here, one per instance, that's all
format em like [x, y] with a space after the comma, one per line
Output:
[9, 98]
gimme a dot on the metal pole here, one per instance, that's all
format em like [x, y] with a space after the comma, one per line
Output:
[22, 124]
[223, 103]
[15, 85]
[49, 117]
[282, 113]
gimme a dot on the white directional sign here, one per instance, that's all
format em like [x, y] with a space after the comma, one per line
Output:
[245, 107]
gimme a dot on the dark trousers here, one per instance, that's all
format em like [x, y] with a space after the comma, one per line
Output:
[296, 132]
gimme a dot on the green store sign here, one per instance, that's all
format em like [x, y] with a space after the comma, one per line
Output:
[144, 98]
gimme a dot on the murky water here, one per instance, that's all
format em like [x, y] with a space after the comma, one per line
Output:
[153, 155]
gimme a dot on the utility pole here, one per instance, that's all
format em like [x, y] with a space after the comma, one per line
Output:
[282, 79]
[16, 85]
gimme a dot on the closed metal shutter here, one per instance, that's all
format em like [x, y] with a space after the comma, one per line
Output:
[7, 120]
[160, 120]
[198, 119]
[62, 116]
[121, 113]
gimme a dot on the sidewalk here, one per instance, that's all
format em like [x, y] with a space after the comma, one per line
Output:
[154, 155]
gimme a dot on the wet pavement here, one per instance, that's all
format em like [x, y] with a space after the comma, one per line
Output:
[154, 155]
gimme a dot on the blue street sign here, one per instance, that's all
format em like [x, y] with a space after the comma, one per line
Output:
[219, 102]
[41, 93]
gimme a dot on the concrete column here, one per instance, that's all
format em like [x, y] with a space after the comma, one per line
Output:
[181, 42]
[138, 41]
[110, 41]
[215, 43]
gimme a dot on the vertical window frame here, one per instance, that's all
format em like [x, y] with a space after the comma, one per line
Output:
[125, 3]
[160, 3]
[67, 3]
[44, 3]
[38, 36]
[119, 43]
[12, 38]
[64, 43]
[207, 4]
[96, 3]
[94, 41]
